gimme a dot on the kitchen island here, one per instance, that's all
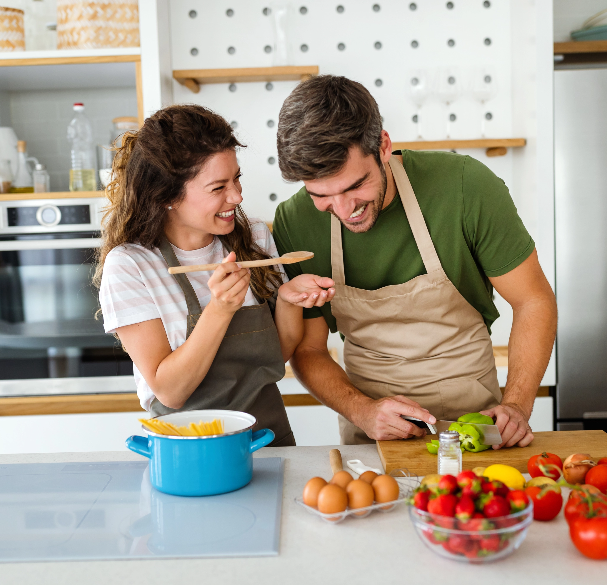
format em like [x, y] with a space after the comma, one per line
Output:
[380, 549]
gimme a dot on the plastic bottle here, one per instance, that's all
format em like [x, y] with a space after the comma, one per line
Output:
[80, 136]
[449, 453]
[41, 179]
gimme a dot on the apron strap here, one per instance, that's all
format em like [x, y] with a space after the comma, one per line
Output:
[337, 253]
[185, 285]
[415, 217]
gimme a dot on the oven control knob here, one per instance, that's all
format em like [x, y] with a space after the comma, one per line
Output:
[48, 215]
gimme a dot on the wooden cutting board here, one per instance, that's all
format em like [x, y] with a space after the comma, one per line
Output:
[413, 455]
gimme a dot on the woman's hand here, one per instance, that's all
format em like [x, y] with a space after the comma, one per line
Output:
[307, 290]
[229, 285]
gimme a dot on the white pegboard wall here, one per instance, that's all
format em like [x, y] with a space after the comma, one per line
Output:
[411, 36]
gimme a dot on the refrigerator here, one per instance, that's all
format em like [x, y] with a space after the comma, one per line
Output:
[580, 112]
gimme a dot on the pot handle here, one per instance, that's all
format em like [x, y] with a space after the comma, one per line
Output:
[260, 439]
[139, 445]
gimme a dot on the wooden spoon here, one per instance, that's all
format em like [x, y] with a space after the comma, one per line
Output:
[290, 258]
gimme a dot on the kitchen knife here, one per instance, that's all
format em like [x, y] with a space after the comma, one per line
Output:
[490, 434]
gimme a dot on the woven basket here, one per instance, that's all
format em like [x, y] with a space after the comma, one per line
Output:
[12, 35]
[86, 24]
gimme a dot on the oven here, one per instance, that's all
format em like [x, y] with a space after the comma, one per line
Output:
[48, 305]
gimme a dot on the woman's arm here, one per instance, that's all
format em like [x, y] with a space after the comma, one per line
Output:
[174, 375]
[305, 290]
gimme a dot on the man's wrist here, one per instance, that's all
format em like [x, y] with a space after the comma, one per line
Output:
[360, 409]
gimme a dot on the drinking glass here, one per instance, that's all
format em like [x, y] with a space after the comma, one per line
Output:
[419, 88]
[449, 90]
[105, 158]
[484, 87]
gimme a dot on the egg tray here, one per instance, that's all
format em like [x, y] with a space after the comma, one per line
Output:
[407, 484]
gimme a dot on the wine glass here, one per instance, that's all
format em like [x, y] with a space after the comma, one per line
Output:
[449, 90]
[419, 89]
[484, 88]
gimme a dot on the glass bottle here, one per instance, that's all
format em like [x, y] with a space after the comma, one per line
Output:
[41, 178]
[80, 135]
[23, 182]
[449, 453]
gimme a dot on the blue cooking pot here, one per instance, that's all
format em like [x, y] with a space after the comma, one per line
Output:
[202, 466]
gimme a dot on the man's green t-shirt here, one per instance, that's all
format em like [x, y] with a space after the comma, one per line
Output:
[471, 217]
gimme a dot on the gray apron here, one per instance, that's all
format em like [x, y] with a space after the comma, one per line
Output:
[245, 370]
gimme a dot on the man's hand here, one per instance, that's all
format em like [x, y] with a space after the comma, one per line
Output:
[381, 419]
[512, 424]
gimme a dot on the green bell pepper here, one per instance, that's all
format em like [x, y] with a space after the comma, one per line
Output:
[469, 437]
[475, 418]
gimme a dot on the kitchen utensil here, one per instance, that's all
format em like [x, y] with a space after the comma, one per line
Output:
[357, 466]
[413, 455]
[290, 258]
[490, 433]
[202, 466]
[335, 461]
[434, 531]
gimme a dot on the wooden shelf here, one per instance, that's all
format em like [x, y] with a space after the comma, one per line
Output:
[55, 195]
[70, 57]
[579, 52]
[571, 47]
[194, 78]
[493, 146]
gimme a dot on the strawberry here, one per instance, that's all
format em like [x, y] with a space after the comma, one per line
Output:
[473, 489]
[464, 478]
[495, 507]
[496, 487]
[464, 509]
[447, 485]
[490, 543]
[477, 523]
[421, 499]
[443, 505]
[458, 543]
[518, 500]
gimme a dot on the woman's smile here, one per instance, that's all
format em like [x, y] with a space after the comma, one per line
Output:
[226, 215]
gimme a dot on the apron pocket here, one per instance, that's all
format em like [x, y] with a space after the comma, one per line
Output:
[463, 395]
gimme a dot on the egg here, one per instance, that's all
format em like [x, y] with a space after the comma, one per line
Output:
[342, 479]
[368, 476]
[311, 491]
[360, 495]
[332, 499]
[386, 489]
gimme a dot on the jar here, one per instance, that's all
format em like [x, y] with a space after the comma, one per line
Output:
[449, 453]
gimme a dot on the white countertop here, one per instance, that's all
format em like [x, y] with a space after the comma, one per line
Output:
[380, 549]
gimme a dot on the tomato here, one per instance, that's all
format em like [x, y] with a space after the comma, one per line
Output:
[547, 502]
[578, 506]
[545, 459]
[602, 461]
[589, 535]
[597, 476]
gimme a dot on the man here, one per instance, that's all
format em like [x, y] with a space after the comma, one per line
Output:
[415, 243]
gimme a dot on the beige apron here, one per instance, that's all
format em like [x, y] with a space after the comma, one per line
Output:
[420, 339]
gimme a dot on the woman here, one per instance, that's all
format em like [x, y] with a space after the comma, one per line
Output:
[175, 200]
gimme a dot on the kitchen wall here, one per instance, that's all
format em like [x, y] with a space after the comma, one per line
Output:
[569, 15]
[41, 118]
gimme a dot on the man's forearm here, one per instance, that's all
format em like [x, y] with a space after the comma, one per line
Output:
[327, 381]
[529, 350]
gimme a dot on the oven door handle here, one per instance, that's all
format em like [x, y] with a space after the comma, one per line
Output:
[67, 244]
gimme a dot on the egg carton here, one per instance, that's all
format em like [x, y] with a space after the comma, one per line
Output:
[407, 483]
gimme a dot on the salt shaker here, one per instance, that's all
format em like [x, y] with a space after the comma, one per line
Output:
[449, 453]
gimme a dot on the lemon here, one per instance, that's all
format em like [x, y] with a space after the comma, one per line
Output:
[508, 475]
[431, 480]
[543, 481]
[478, 471]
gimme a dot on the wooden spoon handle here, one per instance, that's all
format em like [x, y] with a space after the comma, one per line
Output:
[245, 264]
[335, 460]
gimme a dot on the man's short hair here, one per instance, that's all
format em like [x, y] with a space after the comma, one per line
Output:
[320, 121]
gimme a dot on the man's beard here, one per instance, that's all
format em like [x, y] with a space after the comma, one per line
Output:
[376, 206]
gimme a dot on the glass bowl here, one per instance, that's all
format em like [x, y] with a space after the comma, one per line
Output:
[479, 540]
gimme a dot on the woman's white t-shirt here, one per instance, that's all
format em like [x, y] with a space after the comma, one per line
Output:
[137, 287]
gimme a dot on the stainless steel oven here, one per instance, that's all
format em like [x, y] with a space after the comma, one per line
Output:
[48, 327]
